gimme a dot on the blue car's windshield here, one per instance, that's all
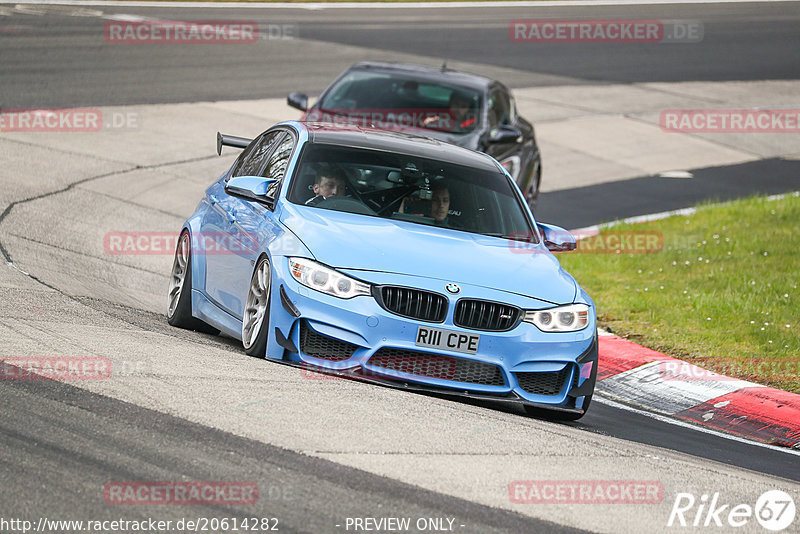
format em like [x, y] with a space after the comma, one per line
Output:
[392, 102]
[409, 188]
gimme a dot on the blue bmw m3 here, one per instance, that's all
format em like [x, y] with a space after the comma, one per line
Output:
[391, 258]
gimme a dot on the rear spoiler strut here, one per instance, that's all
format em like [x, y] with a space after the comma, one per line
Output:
[231, 140]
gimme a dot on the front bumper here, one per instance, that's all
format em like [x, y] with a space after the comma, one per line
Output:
[347, 338]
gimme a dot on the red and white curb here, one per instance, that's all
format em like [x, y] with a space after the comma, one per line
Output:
[638, 376]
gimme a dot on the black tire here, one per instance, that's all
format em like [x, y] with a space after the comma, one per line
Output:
[258, 298]
[180, 315]
[555, 415]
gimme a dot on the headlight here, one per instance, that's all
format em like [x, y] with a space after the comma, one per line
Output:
[317, 276]
[569, 318]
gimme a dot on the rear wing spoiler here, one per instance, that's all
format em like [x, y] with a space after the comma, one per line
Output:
[231, 140]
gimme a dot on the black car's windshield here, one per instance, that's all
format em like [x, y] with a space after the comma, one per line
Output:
[393, 102]
[409, 188]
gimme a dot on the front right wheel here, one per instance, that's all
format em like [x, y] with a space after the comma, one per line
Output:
[255, 322]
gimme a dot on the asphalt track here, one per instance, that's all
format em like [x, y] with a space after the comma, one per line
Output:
[61, 60]
[104, 442]
[61, 443]
[655, 194]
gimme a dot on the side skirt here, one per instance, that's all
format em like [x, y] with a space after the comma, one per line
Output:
[208, 312]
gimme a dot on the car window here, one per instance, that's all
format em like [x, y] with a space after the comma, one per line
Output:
[411, 189]
[237, 165]
[278, 162]
[500, 108]
[512, 110]
[392, 101]
[254, 157]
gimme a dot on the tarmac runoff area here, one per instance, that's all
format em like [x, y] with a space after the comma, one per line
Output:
[64, 294]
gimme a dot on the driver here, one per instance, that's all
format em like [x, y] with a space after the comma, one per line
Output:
[329, 182]
[460, 111]
[440, 206]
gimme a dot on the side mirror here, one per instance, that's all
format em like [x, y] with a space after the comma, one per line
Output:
[504, 134]
[254, 188]
[298, 100]
[556, 239]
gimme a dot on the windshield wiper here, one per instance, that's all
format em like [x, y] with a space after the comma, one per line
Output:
[524, 237]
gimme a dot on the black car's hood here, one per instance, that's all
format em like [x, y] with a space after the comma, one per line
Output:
[469, 140]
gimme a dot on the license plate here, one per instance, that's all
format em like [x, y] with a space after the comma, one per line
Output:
[439, 338]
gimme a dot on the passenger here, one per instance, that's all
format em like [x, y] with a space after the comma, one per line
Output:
[329, 182]
[437, 208]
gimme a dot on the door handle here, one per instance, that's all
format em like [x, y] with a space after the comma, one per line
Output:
[212, 199]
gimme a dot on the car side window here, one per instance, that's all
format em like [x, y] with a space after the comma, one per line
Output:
[278, 162]
[237, 165]
[253, 158]
[512, 110]
[279, 159]
[500, 108]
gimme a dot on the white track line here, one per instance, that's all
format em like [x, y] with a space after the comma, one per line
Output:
[684, 424]
[126, 18]
[634, 220]
[390, 5]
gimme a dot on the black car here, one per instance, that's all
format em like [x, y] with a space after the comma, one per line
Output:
[464, 109]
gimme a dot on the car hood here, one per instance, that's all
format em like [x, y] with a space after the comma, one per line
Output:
[466, 140]
[358, 242]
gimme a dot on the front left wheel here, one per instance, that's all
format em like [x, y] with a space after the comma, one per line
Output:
[255, 322]
[179, 310]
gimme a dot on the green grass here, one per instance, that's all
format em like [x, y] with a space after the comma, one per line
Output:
[722, 294]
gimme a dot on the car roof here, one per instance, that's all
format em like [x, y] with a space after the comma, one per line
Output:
[398, 142]
[423, 72]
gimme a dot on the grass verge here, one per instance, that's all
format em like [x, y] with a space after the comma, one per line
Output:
[722, 293]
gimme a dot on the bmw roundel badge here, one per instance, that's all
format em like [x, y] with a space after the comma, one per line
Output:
[452, 288]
